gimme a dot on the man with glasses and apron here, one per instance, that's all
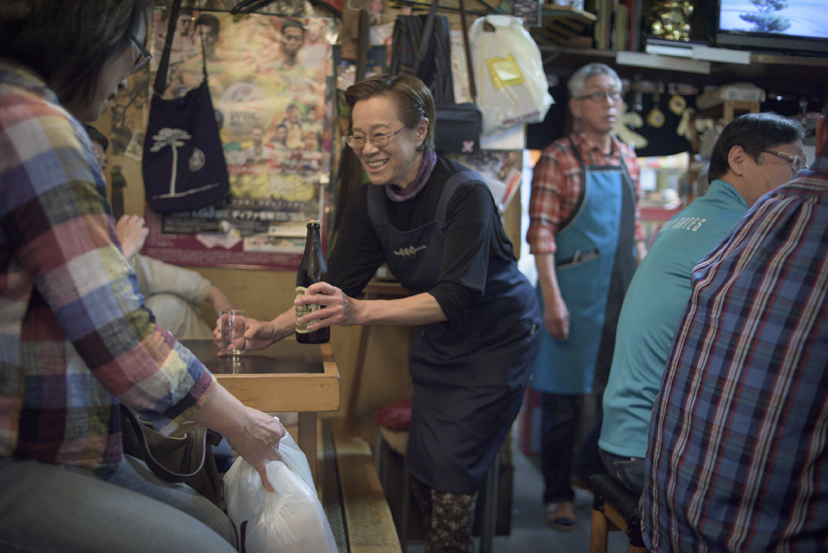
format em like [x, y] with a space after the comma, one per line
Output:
[585, 236]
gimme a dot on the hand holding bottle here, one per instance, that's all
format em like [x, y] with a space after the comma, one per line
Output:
[335, 307]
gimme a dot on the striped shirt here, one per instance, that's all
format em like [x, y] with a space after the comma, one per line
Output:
[737, 457]
[74, 335]
[556, 186]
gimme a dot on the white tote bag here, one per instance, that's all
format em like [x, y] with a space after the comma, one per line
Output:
[290, 519]
[512, 88]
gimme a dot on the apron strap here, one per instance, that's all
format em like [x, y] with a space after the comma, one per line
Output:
[448, 191]
[582, 196]
[376, 205]
[576, 151]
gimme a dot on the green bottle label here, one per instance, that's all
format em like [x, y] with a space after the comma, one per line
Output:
[303, 310]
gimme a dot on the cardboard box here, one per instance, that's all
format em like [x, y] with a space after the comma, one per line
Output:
[739, 92]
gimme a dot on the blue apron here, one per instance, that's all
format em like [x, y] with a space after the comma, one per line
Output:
[594, 263]
[469, 375]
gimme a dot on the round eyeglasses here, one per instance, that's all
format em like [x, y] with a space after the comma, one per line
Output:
[796, 161]
[143, 55]
[377, 140]
[596, 97]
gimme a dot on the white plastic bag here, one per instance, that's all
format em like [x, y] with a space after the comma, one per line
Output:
[512, 88]
[289, 520]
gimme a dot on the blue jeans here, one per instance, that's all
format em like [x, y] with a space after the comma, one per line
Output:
[629, 471]
[57, 508]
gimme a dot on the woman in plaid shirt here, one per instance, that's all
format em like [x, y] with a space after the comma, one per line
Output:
[75, 337]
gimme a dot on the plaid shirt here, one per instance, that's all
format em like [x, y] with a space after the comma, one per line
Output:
[74, 334]
[556, 186]
[737, 457]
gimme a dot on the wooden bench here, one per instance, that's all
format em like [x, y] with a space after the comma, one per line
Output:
[351, 492]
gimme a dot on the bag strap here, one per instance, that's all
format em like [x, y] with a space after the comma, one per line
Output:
[162, 472]
[467, 48]
[203, 53]
[160, 85]
[426, 41]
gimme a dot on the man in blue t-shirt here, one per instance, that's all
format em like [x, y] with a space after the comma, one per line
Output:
[754, 154]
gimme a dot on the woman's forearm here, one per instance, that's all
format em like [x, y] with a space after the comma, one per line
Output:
[284, 325]
[414, 310]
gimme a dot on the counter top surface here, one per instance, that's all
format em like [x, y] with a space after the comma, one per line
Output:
[285, 357]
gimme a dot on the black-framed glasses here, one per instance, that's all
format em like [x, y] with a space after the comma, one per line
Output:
[143, 55]
[796, 161]
[378, 139]
[596, 97]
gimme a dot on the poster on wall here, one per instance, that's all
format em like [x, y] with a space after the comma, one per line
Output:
[272, 85]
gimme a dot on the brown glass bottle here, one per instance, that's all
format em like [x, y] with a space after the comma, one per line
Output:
[312, 269]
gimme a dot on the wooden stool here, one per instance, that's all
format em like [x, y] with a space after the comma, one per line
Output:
[614, 507]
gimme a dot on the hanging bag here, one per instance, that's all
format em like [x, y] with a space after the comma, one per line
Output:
[183, 160]
[421, 46]
[511, 83]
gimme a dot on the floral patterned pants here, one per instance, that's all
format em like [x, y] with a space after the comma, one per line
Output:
[448, 519]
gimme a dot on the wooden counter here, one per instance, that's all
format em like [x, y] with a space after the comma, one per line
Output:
[287, 376]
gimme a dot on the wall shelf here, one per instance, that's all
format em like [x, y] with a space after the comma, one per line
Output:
[770, 72]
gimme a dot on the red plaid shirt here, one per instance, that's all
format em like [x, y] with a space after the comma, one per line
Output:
[556, 186]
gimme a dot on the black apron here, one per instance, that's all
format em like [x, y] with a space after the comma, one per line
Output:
[470, 374]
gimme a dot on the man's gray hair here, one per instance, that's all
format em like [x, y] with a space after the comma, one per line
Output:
[576, 82]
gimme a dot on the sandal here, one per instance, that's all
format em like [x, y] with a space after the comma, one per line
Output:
[560, 516]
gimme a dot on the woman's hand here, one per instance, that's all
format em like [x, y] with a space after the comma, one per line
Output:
[251, 433]
[258, 334]
[259, 441]
[131, 233]
[335, 307]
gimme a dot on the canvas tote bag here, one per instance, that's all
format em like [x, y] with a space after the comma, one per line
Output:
[183, 161]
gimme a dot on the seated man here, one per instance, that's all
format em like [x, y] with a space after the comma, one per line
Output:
[753, 155]
[174, 295]
[737, 457]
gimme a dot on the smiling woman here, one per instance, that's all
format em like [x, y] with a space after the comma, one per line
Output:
[435, 224]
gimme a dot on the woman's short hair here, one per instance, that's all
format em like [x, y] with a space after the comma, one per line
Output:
[414, 100]
[575, 84]
[67, 42]
[753, 132]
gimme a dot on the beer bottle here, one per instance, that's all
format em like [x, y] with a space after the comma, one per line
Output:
[312, 269]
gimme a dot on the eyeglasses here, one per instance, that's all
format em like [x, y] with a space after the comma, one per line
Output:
[796, 161]
[378, 140]
[143, 55]
[601, 96]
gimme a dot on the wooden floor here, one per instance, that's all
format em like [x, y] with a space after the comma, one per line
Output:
[529, 531]
[351, 492]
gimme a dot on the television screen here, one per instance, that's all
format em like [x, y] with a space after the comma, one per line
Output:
[785, 25]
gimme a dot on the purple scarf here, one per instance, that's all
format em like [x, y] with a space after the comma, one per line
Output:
[429, 160]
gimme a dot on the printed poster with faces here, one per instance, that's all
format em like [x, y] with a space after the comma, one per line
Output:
[271, 80]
